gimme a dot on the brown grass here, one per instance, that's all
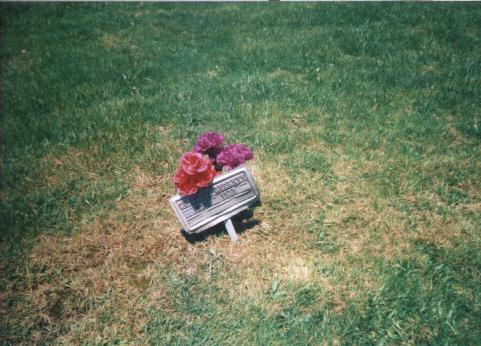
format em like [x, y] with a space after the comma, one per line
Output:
[111, 41]
[118, 256]
[57, 169]
[114, 265]
[109, 266]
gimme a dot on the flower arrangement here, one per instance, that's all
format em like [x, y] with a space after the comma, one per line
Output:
[208, 158]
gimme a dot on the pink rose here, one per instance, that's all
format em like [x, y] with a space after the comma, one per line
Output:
[195, 172]
[193, 163]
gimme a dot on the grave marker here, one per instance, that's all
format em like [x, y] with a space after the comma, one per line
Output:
[228, 195]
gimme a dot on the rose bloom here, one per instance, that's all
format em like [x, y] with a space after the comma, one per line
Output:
[193, 163]
[195, 172]
[184, 182]
[234, 155]
[209, 143]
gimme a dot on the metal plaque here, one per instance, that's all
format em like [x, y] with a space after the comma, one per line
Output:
[228, 195]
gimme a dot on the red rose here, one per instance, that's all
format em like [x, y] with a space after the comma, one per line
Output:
[204, 178]
[195, 172]
[193, 163]
[184, 182]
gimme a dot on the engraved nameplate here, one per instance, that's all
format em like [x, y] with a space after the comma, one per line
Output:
[228, 195]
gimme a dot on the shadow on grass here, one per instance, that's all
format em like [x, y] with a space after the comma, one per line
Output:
[242, 222]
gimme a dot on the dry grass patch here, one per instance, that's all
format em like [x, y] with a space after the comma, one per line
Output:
[111, 41]
[281, 248]
[277, 248]
[99, 282]
[362, 214]
[371, 224]
[73, 279]
[74, 163]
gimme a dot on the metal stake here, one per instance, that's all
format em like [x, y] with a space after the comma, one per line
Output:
[231, 230]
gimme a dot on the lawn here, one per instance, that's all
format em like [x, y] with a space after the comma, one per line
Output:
[365, 121]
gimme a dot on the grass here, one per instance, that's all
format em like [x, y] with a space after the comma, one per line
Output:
[365, 122]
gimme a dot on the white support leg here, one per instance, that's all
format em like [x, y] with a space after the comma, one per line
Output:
[231, 230]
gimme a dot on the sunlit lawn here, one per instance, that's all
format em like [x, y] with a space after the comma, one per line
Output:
[365, 121]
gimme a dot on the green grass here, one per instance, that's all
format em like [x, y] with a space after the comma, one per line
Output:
[365, 121]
